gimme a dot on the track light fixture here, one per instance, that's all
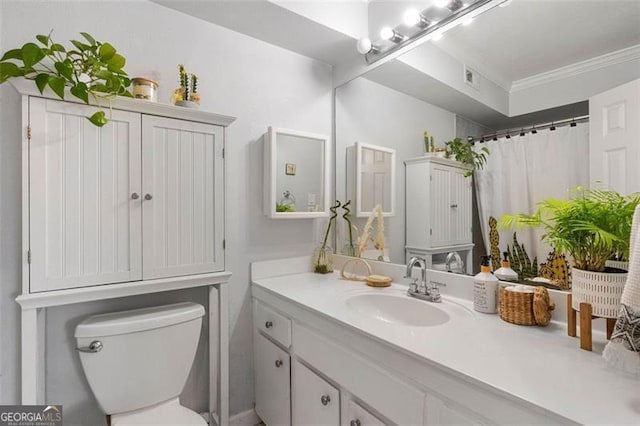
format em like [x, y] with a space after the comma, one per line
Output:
[388, 33]
[420, 24]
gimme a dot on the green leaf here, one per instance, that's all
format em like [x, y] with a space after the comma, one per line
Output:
[80, 91]
[102, 88]
[103, 74]
[107, 52]
[79, 45]
[56, 47]
[57, 85]
[12, 54]
[43, 39]
[41, 81]
[90, 39]
[98, 119]
[31, 54]
[8, 70]
[65, 69]
[116, 63]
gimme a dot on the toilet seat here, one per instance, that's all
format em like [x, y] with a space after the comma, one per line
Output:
[166, 413]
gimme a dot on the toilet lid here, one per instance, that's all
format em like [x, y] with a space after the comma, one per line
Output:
[169, 413]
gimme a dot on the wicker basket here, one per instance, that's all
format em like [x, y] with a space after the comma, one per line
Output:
[532, 308]
[601, 290]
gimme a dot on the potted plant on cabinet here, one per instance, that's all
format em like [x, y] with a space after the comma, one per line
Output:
[592, 227]
[465, 153]
[90, 70]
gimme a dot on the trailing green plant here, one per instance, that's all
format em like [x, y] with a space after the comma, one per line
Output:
[463, 152]
[91, 70]
[592, 226]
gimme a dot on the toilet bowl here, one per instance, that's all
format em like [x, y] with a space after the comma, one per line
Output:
[137, 362]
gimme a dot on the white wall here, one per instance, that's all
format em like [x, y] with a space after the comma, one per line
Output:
[260, 84]
[371, 113]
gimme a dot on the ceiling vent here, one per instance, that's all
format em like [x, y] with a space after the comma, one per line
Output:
[471, 77]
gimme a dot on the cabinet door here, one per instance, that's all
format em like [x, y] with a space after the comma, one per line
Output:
[85, 225]
[440, 205]
[272, 382]
[358, 416]
[460, 207]
[315, 402]
[183, 200]
[614, 125]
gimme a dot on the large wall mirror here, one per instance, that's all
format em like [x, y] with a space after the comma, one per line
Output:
[531, 62]
[296, 174]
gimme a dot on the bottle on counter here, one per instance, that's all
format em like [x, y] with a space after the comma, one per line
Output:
[485, 289]
[505, 273]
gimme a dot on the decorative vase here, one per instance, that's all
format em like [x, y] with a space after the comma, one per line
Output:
[322, 259]
[187, 104]
[350, 250]
[602, 290]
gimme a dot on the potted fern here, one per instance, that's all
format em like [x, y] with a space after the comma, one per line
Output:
[592, 227]
[465, 153]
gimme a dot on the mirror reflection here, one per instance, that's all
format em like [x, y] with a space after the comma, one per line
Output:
[374, 181]
[296, 174]
[505, 80]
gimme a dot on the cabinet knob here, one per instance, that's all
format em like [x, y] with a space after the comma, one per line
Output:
[453, 206]
[148, 197]
[135, 196]
[278, 363]
[325, 399]
[355, 422]
[268, 324]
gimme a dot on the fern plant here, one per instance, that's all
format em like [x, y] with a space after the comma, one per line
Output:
[593, 226]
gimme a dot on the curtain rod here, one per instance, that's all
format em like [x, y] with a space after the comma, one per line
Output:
[532, 129]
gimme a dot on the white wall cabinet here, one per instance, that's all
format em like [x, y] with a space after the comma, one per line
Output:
[141, 198]
[438, 209]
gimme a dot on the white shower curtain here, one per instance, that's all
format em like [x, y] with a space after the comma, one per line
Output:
[524, 170]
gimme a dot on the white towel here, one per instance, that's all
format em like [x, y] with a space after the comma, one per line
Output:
[623, 351]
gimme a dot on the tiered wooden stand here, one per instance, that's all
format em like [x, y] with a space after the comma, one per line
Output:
[585, 323]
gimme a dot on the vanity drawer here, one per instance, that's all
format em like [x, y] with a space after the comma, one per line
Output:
[396, 400]
[272, 324]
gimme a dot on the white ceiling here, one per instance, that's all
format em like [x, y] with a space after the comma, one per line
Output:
[506, 45]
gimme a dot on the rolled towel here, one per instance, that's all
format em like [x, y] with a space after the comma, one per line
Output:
[623, 350]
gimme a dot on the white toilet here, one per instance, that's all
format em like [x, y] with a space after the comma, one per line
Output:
[137, 362]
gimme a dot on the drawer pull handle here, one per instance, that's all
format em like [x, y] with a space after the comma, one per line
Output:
[268, 324]
[355, 422]
[453, 206]
[278, 363]
[326, 399]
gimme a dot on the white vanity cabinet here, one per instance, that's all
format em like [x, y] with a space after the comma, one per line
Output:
[272, 382]
[315, 401]
[438, 209]
[138, 199]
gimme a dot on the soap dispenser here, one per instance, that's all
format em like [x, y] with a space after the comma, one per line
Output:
[485, 289]
[505, 273]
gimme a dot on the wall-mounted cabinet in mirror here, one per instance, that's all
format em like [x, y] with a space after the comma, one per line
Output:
[373, 179]
[296, 174]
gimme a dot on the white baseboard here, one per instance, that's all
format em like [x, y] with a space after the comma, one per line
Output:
[246, 418]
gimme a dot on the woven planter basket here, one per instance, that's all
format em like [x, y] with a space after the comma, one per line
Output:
[602, 290]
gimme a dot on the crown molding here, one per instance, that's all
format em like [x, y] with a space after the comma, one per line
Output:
[607, 60]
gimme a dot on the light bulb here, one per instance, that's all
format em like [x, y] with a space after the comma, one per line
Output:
[386, 33]
[364, 46]
[411, 17]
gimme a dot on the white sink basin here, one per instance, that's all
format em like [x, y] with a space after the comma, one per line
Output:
[398, 309]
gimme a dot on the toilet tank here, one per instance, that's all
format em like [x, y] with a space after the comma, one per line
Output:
[146, 354]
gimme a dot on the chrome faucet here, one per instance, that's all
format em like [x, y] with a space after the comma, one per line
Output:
[459, 263]
[421, 291]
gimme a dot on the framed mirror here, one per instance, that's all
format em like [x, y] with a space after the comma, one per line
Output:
[374, 179]
[296, 174]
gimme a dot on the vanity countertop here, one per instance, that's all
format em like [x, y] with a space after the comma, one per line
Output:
[539, 365]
